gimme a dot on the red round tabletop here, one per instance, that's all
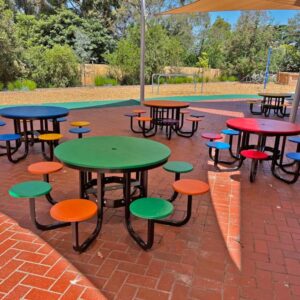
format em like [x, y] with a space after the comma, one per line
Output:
[264, 126]
[166, 104]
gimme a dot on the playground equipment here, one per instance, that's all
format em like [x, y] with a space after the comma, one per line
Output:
[157, 77]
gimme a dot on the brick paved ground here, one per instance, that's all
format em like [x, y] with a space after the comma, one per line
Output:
[243, 241]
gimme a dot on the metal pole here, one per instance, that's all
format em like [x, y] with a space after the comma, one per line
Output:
[267, 67]
[296, 101]
[142, 59]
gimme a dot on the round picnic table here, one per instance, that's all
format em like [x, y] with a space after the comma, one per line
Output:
[24, 117]
[265, 128]
[166, 113]
[114, 154]
[275, 102]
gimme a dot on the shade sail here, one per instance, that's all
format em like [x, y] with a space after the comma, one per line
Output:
[231, 5]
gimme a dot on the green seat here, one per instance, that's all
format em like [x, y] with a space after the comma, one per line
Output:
[151, 208]
[178, 167]
[30, 189]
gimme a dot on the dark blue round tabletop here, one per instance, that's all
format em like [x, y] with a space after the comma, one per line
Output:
[33, 112]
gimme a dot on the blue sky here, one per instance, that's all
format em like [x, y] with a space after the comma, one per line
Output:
[279, 16]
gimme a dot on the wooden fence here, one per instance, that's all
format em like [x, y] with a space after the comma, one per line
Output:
[90, 71]
[287, 78]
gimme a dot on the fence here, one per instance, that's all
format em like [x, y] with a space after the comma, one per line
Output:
[287, 78]
[90, 71]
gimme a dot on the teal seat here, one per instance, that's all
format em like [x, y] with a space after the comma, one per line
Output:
[2, 123]
[178, 167]
[218, 145]
[150, 209]
[31, 190]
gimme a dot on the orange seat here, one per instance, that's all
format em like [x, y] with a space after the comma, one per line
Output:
[44, 167]
[211, 136]
[190, 187]
[144, 119]
[74, 210]
[184, 111]
[80, 123]
[139, 111]
[50, 136]
[193, 119]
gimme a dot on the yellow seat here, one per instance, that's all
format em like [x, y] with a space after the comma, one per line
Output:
[80, 123]
[50, 136]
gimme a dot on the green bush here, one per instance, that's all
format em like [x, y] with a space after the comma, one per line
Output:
[179, 80]
[10, 86]
[55, 67]
[1, 86]
[29, 84]
[228, 78]
[102, 80]
[17, 85]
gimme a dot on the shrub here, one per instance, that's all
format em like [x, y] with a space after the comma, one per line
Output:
[1, 86]
[10, 86]
[17, 85]
[232, 78]
[55, 67]
[102, 80]
[179, 80]
[29, 84]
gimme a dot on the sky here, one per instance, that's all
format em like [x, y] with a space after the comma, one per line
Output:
[279, 16]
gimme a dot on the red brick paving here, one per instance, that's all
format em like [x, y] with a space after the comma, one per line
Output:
[242, 242]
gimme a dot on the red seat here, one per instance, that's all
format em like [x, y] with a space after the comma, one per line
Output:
[211, 136]
[254, 154]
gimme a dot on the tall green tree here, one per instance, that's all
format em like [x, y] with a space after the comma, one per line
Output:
[10, 65]
[216, 42]
[248, 47]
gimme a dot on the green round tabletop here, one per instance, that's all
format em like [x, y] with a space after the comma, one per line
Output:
[112, 153]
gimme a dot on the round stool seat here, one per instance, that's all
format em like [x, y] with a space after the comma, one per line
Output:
[30, 189]
[79, 130]
[230, 132]
[9, 137]
[178, 167]
[2, 123]
[294, 139]
[293, 155]
[211, 136]
[184, 112]
[193, 119]
[50, 136]
[139, 111]
[218, 145]
[131, 115]
[80, 123]
[254, 154]
[74, 210]
[144, 119]
[197, 116]
[151, 208]
[44, 167]
[62, 119]
[190, 187]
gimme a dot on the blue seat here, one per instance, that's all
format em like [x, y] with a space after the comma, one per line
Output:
[2, 123]
[9, 137]
[62, 119]
[218, 145]
[230, 132]
[80, 131]
[294, 139]
[293, 155]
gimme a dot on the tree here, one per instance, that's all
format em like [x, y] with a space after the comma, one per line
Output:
[216, 42]
[248, 47]
[161, 50]
[10, 65]
[62, 28]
